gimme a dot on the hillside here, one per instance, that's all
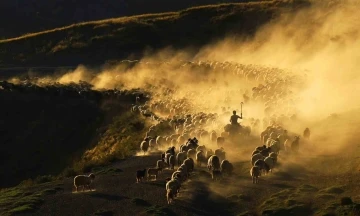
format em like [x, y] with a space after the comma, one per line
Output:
[97, 41]
[34, 15]
[45, 129]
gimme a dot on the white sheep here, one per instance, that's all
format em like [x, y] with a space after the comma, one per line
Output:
[226, 167]
[144, 146]
[160, 164]
[273, 156]
[180, 157]
[191, 153]
[189, 162]
[172, 188]
[256, 157]
[270, 162]
[255, 172]
[213, 163]
[220, 153]
[84, 181]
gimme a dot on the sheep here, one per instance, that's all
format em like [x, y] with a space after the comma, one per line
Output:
[152, 144]
[84, 181]
[189, 162]
[152, 172]
[216, 175]
[180, 157]
[171, 150]
[208, 153]
[200, 157]
[167, 158]
[260, 148]
[226, 167]
[201, 148]
[173, 186]
[144, 146]
[255, 173]
[255, 152]
[180, 175]
[213, 136]
[170, 194]
[159, 141]
[274, 157]
[256, 157]
[270, 162]
[220, 153]
[140, 174]
[160, 165]
[172, 162]
[191, 153]
[295, 144]
[263, 166]
[213, 163]
[265, 152]
[184, 170]
[220, 141]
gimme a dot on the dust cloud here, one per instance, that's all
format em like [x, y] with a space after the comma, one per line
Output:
[314, 52]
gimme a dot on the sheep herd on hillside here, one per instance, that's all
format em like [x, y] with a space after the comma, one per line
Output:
[191, 120]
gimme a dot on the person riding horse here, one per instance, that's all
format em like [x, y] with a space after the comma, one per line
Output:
[234, 118]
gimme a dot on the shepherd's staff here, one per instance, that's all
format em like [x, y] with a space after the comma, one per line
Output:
[241, 109]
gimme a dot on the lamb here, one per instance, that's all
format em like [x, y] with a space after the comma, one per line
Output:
[140, 174]
[213, 163]
[256, 157]
[180, 157]
[144, 146]
[172, 162]
[255, 173]
[84, 181]
[226, 167]
[216, 175]
[152, 172]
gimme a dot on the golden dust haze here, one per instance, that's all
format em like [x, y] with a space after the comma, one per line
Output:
[315, 51]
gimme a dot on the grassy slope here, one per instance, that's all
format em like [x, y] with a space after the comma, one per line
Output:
[39, 15]
[98, 41]
[53, 132]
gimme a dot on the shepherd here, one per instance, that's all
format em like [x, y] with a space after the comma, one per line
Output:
[234, 117]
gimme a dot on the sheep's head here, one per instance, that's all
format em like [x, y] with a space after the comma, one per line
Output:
[92, 176]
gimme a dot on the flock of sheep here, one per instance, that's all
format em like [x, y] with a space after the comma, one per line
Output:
[188, 153]
[184, 116]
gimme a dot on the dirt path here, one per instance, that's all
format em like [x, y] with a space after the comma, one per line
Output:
[292, 185]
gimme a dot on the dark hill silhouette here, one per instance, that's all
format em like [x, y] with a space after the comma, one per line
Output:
[34, 15]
